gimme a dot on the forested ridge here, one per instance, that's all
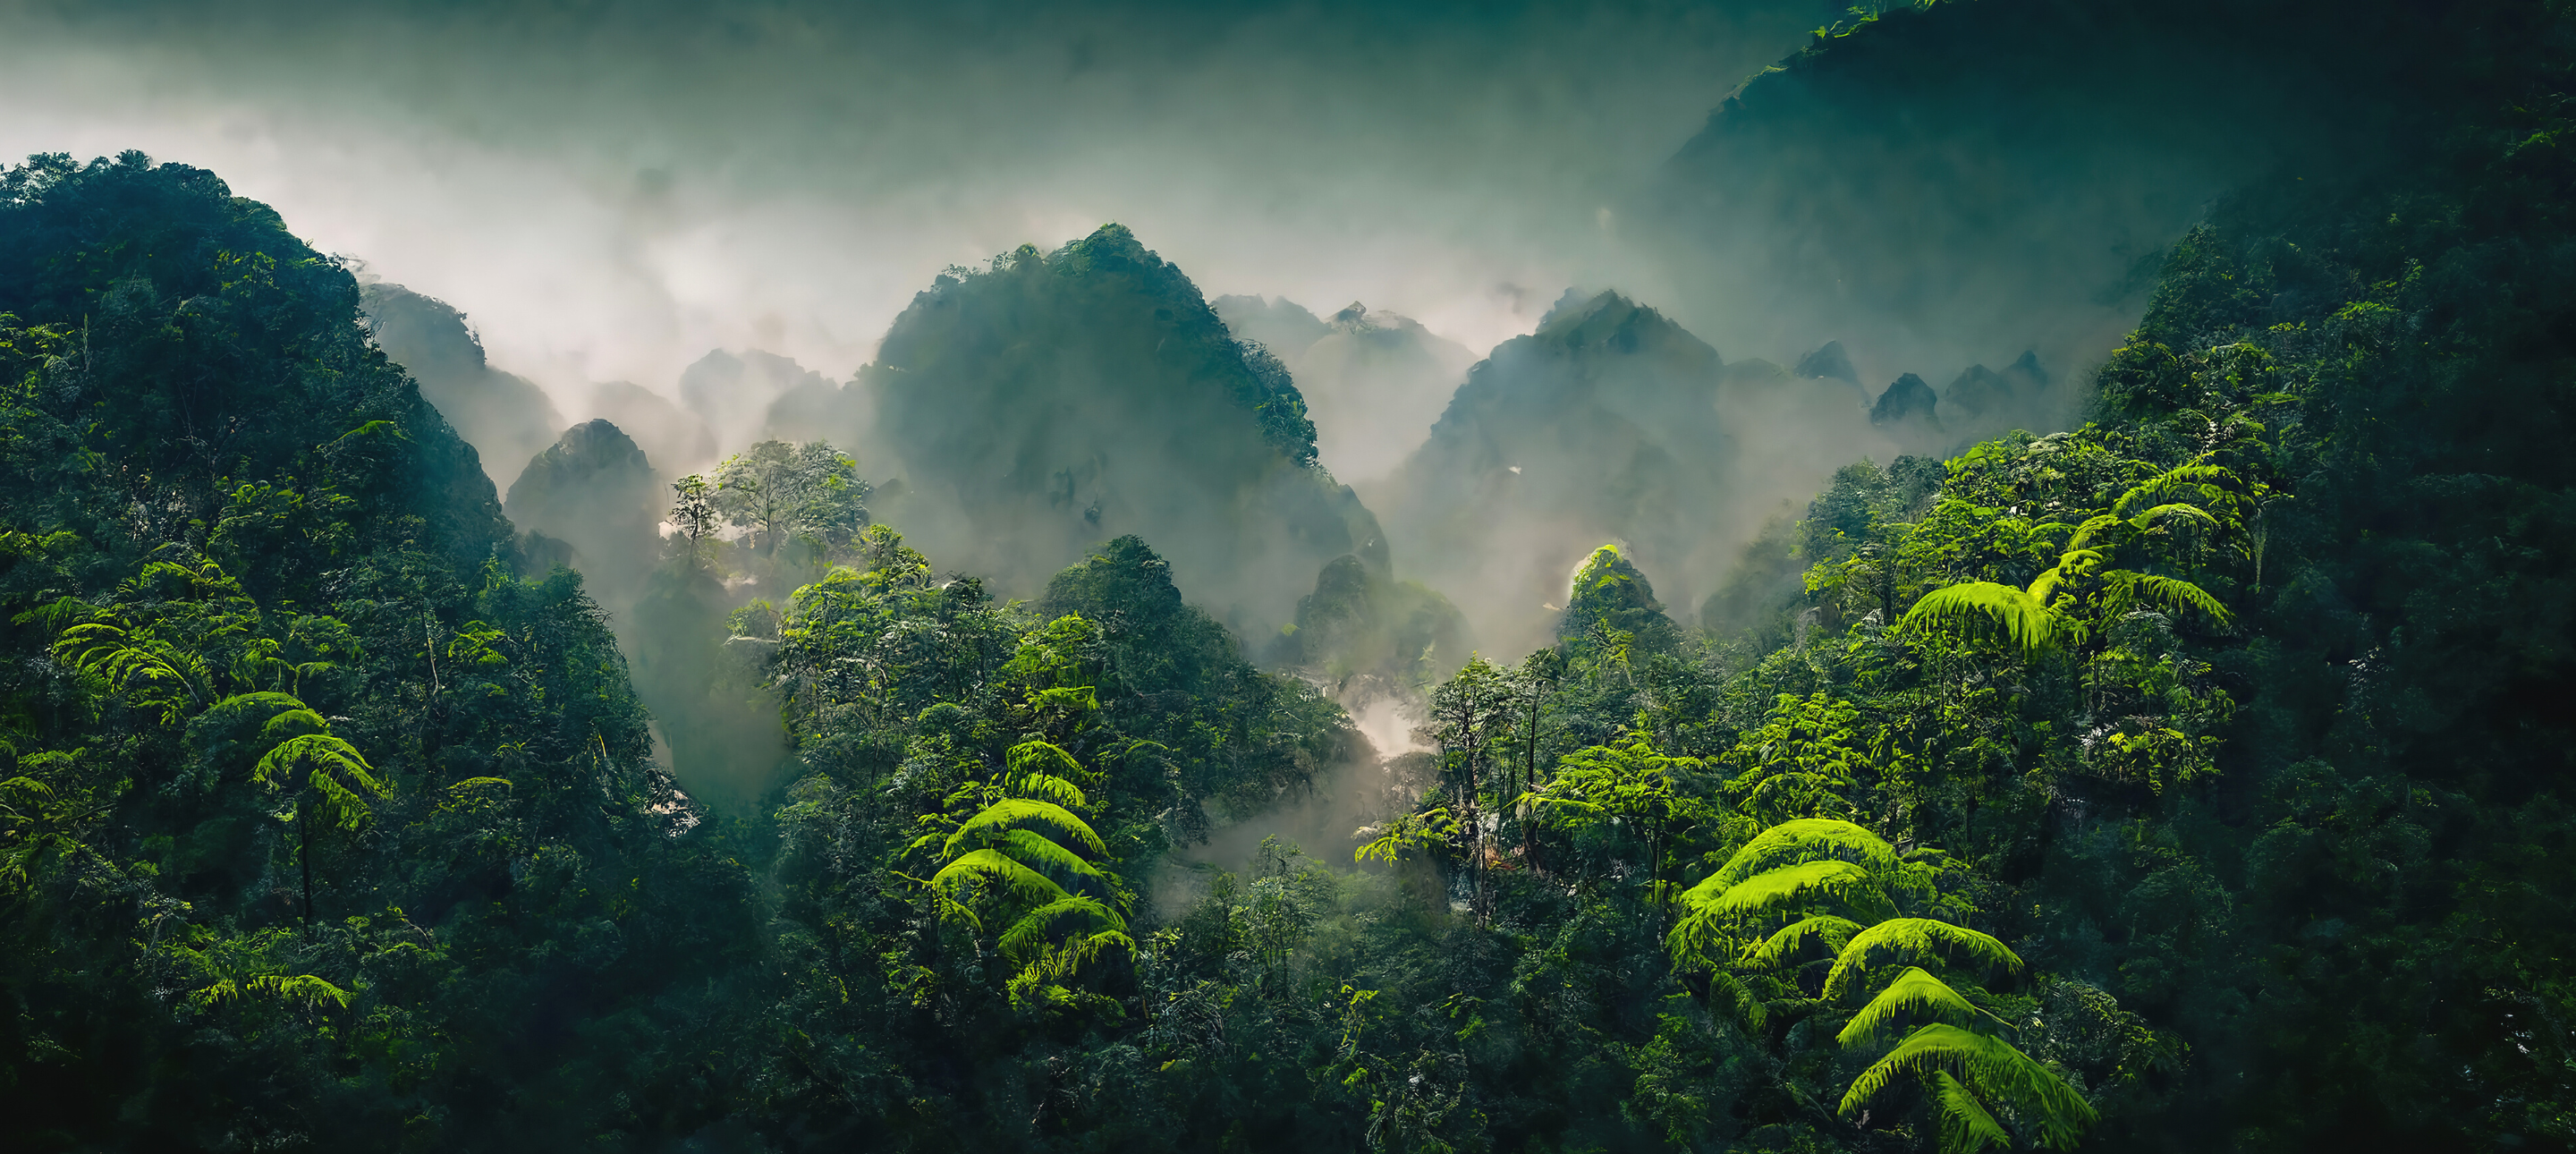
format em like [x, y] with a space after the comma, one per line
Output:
[2193, 778]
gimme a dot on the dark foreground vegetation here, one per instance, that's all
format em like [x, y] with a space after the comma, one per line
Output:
[2194, 779]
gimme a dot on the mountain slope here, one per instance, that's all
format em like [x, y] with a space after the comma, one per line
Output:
[1062, 399]
[505, 417]
[1601, 425]
[1957, 178]
[1373, 381]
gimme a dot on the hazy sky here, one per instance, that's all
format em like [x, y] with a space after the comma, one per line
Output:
[610, 189]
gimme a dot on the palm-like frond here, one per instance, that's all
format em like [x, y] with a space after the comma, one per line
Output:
[105, 648]
[1912, 938]
[242, 707]
[2170, 593]
[1042, 771]
[1701, 940]
[2073, 566]
[1046, 787]
[2148, 519]
[1406, 834]
[1006, 874]
[1035, 929]
[1032, 849]
[335, 768]
[2207, 482]
[2091, 528]
[1803, 840]
[1993, 1069]
[1914, 995]
[292, 723]
[305, 988]
[2030, 625]
[1795, 885]
[1966, 1125]
[1731, 995]
[1832, 931]
[989, 825]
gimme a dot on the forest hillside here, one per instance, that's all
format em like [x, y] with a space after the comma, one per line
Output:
[1070, 763]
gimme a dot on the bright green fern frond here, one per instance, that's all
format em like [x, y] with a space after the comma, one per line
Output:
[1984, 604]
[2148, 519]
[991, 866]
[2207, 482]
[1047, 787]
[2092, 527]
[241, 707]
[1993, 1069]
[1826, 928]
[1803, 840]
[1794, 886]
[1701, 940]
[1966, 1125]
[2074, 565]
[1008, 813]
[1042, 771]
[2174, 594]
[1034, 930]
[1912, 938]
[337, 772]
[1032, 849]
[1914, 995]
[292, 723]
[292, 988]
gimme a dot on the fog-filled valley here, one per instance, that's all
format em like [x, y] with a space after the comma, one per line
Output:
[1755, 576]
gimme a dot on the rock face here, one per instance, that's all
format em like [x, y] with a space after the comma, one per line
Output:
[1067, 398]
[1373, 381]
[1601, 425]
[1907, 402]
[596, 492]
[1976, 393]
[1828, 362]
[1983, 401]
[506, 418]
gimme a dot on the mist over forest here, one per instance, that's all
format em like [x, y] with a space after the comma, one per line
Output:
[1747, 576]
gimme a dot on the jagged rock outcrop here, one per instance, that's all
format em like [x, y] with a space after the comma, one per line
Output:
[1828, 361]
[1908, 402]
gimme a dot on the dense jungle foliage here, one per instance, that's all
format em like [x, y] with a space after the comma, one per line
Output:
[2192, 779]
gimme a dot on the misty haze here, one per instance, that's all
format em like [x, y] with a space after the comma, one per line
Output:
[1750, 576]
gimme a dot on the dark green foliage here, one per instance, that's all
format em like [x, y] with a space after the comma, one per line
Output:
[167, 342]
[303, 782]
[2193, 779]
[1611, 604]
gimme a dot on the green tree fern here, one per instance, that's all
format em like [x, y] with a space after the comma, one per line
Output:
[1757, 923]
